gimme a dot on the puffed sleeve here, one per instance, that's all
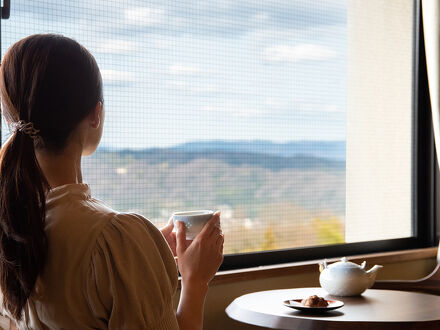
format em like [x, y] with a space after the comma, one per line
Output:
[132, 276]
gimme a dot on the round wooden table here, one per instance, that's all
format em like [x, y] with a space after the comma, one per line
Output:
[374, 309]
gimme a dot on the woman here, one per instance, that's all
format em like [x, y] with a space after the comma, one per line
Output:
[67, 261]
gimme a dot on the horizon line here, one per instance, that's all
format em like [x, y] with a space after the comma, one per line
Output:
[104, 146]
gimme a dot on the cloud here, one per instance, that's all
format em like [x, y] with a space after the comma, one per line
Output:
[333, 108]
[273, 102]
[180, 69]
[121, 170]
[260, 17]
[282, 35]
[144, 16]
[194, 88]
[237, 110]
[301, 52]
[109, 75]
[162, 43]
[116, 46]
[315, 107]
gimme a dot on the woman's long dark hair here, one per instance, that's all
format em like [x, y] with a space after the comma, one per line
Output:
[53, 82]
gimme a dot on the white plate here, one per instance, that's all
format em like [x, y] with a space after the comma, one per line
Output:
[296, 303]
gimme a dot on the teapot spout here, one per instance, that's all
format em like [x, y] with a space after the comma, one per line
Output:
[372, 274]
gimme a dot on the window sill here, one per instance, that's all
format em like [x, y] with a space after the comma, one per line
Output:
[264, 272]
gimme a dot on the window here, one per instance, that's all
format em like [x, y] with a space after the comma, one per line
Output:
[294, 118]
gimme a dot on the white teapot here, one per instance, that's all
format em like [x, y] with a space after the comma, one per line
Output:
[345, 278]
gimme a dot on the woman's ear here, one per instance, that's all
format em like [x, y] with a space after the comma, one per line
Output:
[95, 115]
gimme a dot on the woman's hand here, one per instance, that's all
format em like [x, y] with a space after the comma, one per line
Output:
[199, 260]
[170, 235]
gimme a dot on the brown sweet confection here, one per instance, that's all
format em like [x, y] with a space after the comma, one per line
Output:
[314, 301]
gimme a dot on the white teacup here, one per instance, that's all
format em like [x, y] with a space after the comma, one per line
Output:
[193, 220]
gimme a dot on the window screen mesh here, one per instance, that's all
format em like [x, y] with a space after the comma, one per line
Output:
[232, 105]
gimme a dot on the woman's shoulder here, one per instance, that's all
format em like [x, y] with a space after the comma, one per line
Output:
[126, 234]
[134, 226]
[133, 221]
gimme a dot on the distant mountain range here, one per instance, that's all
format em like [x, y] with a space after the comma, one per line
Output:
[262, 154]
[275, 163]
[320, 149]
[330, 150]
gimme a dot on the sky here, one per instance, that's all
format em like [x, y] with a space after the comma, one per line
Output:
[176, 71]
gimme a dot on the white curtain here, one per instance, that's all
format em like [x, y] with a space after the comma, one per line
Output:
[431, 27]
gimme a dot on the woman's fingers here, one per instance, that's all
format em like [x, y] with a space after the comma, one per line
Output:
[180, 238]
[173, 242]
[211, 226]
[168, 227]
[220, 241]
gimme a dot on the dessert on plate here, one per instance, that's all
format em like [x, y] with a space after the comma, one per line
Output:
[314, 301]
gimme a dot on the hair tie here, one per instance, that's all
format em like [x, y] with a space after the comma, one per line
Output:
[26, 128]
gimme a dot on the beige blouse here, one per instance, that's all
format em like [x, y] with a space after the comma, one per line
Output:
[104, 270]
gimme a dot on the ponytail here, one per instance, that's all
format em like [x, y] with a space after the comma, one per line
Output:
[23, 242]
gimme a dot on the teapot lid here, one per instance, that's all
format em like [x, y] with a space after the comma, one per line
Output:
[344, 263]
